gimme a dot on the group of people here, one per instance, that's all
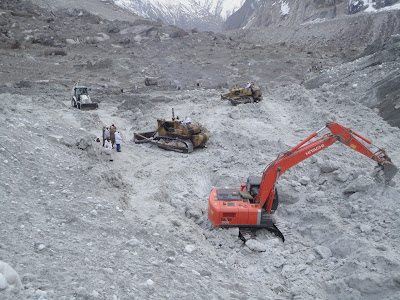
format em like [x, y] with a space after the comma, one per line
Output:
[111, 136]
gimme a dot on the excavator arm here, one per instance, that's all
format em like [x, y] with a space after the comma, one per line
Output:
[303, 151]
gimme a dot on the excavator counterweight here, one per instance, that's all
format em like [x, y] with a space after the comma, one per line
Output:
[253, 204]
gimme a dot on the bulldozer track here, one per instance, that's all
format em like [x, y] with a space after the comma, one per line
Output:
[242, 100]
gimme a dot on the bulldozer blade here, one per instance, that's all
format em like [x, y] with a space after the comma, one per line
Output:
[390, 170]
[144, 137]
[89, 106]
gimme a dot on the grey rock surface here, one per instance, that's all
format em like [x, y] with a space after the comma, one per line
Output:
[74, 225]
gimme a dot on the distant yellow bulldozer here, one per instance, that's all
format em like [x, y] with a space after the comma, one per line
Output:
[249, 94]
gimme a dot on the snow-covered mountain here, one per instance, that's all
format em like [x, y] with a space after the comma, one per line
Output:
[201, 14]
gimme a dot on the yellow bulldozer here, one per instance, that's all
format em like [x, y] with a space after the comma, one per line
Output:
[176, 135]
[249, 94]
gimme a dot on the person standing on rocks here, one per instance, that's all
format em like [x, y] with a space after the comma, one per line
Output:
[108, 148]
[118, 140]
[113, 129]
[106, 134]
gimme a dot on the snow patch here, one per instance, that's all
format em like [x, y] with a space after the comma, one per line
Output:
[189, 248]
[285, 8]
[371, 9]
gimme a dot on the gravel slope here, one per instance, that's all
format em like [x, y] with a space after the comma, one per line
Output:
[76, 226]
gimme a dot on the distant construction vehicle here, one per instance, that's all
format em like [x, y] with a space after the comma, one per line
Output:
[249, 94]
[81, 99]
[175, 135]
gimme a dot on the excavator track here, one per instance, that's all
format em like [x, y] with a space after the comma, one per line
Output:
[283, 227]
[269, 222]
[246, 234]
[275, 230]
[173, 144]
[249, 233]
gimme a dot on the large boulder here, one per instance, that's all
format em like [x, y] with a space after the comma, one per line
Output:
[178, 34]
[9, 278]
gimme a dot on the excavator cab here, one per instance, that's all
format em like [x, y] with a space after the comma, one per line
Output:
[253, 187]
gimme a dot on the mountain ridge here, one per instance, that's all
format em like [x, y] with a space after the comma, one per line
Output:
[204, 15]
[267, 13]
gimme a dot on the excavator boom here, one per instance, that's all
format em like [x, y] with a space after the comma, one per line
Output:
[252, 204]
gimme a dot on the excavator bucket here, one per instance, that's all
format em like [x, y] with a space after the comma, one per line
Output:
[390, 170]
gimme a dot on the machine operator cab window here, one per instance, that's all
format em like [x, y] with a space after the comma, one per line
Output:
[254, 191]
[81, 91]
[253, 186]
[169, 126]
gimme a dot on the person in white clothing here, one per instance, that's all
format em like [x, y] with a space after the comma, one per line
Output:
[106, 134]
[118, 140]
[186, 121]
[108, 148]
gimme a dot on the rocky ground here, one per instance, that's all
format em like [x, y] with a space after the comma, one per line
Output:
[74, 225]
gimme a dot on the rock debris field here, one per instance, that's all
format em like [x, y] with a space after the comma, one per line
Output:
[74, 225]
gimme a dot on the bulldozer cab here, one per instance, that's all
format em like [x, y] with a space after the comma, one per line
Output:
[173, 128]
[166, 125]
[80, 91]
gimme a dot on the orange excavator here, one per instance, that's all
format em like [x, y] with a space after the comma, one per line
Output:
[252, 205]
